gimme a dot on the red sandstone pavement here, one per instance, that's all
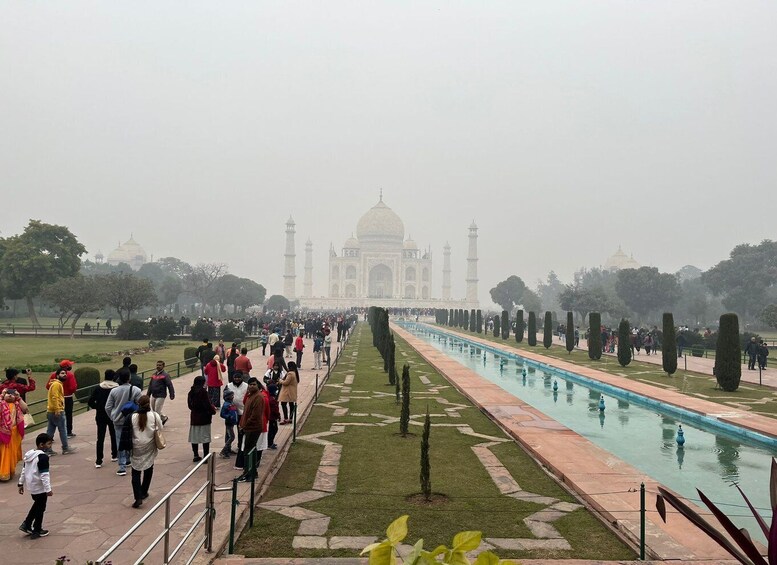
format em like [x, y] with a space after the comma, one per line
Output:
[605, 483]
[91, 508]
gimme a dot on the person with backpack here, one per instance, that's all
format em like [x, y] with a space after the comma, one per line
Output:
[118, 406]
[318, 346]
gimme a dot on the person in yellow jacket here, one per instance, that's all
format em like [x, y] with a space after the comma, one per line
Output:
[55, 412]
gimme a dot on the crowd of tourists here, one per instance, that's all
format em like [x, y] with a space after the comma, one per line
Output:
[251, 402]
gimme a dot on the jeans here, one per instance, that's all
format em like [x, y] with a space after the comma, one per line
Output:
[123, 459]
[34, 519]
[101, 427]
[57, 421]
[327, 352]
[69, 414]
[138, 489]
[299, 359]
[229, 437]
[317, 359]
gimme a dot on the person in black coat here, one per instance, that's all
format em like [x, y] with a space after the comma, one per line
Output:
[97, 401]
[201, 415]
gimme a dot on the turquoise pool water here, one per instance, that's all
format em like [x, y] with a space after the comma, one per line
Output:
[637, 430]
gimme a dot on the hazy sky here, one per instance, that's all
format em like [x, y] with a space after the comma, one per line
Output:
[562, 128]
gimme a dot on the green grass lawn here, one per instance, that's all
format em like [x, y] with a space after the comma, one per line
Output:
[379, 471]
[49, 322]
[759, 400]
[21, 352]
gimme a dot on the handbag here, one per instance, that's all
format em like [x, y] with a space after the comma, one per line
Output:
[159, 438]
[28, 420]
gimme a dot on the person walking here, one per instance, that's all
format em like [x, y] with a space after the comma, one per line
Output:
[318, 345]
[328, 347]
[214, 372]
[752, 352]
[201, 412]
[55, 411]
[97, 401]
[36, 478]
[115, 408]
[145, 424]
[69, 387]
[263, 338]
[232, 354]
[288, 394]
[288, 341]
[299, 346]
[253, 424]
[158, 387]
[275, 415]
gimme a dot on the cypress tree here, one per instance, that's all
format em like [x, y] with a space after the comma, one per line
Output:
[570, 332]
[479, 322]
[532, 337]
[497, 328]
[547, 337]
[472, 321]
[396, 388]
[392, 372]
[595, 336]
[624, 342]
[466, 319]
[425, 476]
[388, 346]
[728, 354]
[404, 415]
[462, 318]
[669, 345]
[519, 326]
[505, 324]
[451, 317]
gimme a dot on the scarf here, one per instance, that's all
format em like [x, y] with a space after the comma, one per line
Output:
[8, 421]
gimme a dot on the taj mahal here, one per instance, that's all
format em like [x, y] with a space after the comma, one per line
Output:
[379, 267]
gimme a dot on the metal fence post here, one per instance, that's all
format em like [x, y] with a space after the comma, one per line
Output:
[167, 532]
[232, 517]
[642, 521]
[294, 428]
[254, 472]
[315, 396]
[209, 507]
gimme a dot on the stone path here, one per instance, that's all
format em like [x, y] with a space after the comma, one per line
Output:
[91, 508]
[313, 526]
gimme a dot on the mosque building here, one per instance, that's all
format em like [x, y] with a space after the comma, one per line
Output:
[379, 267]
[619, 260]
[129, 252]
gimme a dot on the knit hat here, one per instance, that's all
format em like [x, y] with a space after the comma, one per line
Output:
[228, 394]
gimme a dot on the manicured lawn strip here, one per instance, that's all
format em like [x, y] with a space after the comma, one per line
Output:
[379, 469]
[759, 400]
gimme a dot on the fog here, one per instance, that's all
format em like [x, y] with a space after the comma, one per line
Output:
[564, 129]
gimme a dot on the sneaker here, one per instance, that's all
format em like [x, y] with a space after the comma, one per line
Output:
[26, 529]
[164, 420]
[196, 459]
[71, 434]
[69, 450]
[39, 534]
[274, 446]
[236, 468]
[137, 503]
[98, 465]
[114, 459]
[224, 455]
[50, 452]
[121, 472]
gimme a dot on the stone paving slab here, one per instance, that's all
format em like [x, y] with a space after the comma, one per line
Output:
[351, 542]
[295, 499]
[309, 542]
[314, 527]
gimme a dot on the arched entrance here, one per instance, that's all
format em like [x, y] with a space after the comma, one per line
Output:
[380, 282]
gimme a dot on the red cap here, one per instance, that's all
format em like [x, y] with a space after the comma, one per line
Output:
[65, 363]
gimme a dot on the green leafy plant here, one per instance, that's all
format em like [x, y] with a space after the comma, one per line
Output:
[479, 321]
[132, 329]
[386, 552]
[747, 552]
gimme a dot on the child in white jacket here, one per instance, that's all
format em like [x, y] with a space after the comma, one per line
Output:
[36, 477]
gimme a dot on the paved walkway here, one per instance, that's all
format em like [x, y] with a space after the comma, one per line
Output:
[91, 508]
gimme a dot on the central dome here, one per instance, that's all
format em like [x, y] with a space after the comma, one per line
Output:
[380, 225]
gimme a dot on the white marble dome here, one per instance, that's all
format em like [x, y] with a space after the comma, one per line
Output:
[410, 244]
[380, 225]
[129, 252]
[351, 243]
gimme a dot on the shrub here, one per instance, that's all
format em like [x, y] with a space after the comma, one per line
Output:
[404, 415]
[465, 325]
[230, 332]
[624, 342]
[669, 345]
[132, 329]
[479, 322]
[497, 326]
[595, 336]
[472, 320]
[547, 337]
[697, 351]
[519, 326]
[85, 358]
[190, 356]
[532, 337]
[87, 378]
[570, 332]
[425, 475]
[163, 329]
[505, 324]
[203, 329]
[728, 354]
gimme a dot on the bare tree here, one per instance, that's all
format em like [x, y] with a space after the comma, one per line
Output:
[201, 281]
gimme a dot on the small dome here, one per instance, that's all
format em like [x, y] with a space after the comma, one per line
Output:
[351, 243]
[620, 260]
[409, 244]
[380, 224]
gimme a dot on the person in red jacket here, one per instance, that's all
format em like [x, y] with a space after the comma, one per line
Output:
[214, 373]
[299, 345]
[70, 386]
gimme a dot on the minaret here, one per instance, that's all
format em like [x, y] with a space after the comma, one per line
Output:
[472, 264]
[446, 272]
[289, 272]
[307, 287]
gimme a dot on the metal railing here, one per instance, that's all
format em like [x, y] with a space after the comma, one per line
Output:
[206, 515]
